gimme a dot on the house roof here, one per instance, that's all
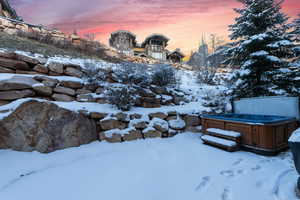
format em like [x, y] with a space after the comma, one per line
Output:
[124, 31]
[178, 52]
[155, 36]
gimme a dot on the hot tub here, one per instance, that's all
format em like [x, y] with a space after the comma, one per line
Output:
[263, 134]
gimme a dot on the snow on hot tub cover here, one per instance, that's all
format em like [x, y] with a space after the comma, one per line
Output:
[247, 118]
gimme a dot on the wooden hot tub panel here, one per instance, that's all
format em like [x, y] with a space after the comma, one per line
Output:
[264, 139]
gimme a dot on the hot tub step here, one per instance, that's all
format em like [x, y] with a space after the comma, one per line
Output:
[228, 135]
[227, 145]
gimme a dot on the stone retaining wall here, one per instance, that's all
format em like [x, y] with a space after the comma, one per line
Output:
[122, 126]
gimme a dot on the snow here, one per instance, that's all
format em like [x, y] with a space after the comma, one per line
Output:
[159, 122]
[260, 53]
[6, 76]
[110, 133]
[217, 140]
[295, 137]
[175, 168]
[177, 123]
[224, 132]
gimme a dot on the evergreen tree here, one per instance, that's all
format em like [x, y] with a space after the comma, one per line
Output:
[295, 33]
[295, 64]
[260, 49]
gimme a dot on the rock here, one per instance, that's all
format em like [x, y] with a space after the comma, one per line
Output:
[138, 123]
[6, 70]
[131, 134]
[112, 138]
[51, 73]
[173, 132]
[97, 115]
[26, 72]
[45, 127]
[71, 84]
[51, 84]
[56, 67]
[135, 116]
[16, 94]
[64, 90]
[83, 91]
[85, 98]
[166, 100]
[151, 132]
[29, 60]
[192, 120]
[43, 90]
[122, 117]
[2, 103]
[62, 97]
[150, 102]
[145, 93]
[172, 113]
[14, 64]
[111, 123]
[160, 125]
[41, 69]
[159, 90]
[100, 90]
[73, 72]
[177, 124]
[171, 117]
[160, 115]
[17, 83]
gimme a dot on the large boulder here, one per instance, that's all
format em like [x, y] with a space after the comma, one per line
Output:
[14, 64]
[17, 83]
[45, 127]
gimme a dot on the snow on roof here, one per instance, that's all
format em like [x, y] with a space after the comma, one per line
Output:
[123, 31]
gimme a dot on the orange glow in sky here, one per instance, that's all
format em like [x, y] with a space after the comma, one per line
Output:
[183, 21]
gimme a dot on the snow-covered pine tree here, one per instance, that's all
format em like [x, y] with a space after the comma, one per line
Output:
[260, 48]
[295, 64]
[295, 33]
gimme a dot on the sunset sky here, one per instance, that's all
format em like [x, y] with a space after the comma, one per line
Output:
[183, 21]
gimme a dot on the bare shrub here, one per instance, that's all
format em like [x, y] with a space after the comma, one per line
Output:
[164, 75]
[85, 47]
[132, 73]
[93, 75]
[206, 75]
[122, 97]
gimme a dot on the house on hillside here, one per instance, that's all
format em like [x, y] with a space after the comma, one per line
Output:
[154, 46]
[123, 41]
[7, 11]
[175, 56]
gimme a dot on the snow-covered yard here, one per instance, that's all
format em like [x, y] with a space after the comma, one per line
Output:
[175, 168]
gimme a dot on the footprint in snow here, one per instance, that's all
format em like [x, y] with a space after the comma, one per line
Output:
[227, 173]
[239, 161]
[256, 168]
[205, 180]
[226, 195]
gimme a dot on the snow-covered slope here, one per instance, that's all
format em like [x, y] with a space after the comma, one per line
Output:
[176, 168]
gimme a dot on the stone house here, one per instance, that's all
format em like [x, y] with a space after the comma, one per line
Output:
[123, 41]
[175, 56]
[154, 46]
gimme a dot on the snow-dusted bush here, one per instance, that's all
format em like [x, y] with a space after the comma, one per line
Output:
[164, 75]
[132, 73]
[217, 101]
[94, 75]
[206, 75]
[122, 97]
